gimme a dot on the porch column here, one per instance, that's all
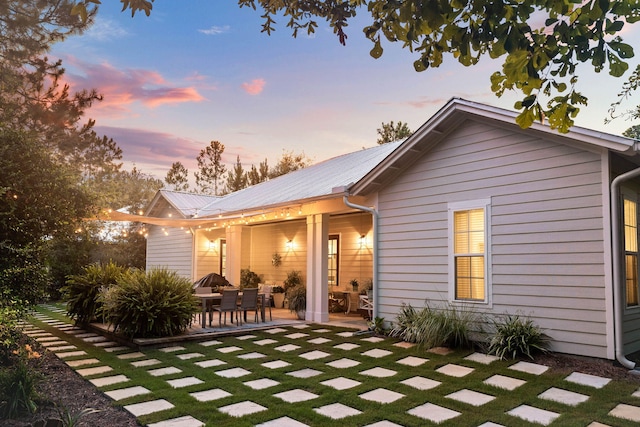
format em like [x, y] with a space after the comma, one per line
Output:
[234, 254]
[317, 283]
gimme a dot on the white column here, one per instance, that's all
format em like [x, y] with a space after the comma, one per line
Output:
[317, 283]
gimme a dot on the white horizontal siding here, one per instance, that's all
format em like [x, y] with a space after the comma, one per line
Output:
[547, 233]
[172, 250]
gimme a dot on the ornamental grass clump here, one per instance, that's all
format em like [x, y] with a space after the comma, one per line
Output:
[515, 337]
[154, 304]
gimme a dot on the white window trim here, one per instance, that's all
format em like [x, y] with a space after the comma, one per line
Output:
[464, 206]
[628, 194]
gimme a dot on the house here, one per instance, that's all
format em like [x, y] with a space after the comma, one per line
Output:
[469, 210]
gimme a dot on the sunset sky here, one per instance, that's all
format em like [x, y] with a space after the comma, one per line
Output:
[200, 70]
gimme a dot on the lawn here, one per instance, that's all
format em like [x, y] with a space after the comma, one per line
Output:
[318, 375]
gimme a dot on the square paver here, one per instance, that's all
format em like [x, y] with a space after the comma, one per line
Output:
[319, 340]
[210, 363]
[71, 354]
[296, 336]
[105, 381]
[377, 353]
[304, 373]
[485, 359]
[94, 371]
[242, 409]
[403, 344]
[379, 372]
[341, 383]
[186, 421]
[229, 349]
[455, 370]
[373, 339]
[144, 363]
[188, 356]
[321, 330]
[283, 422]
[627, 412]
[184, 382]
[287, 348]
[210, 343]
[433, 413]
[529, 368]
[125, 393]
[127, 356]
[93, 340]
[346, 346]
[471, 397]
[81, 362]
[105, 344]
[150, 407]
[588, 380]
[343, 363]
[381, 395]
[421, 383]
[233, 373]
[245, 337]
[346, 334]
[169, 370]
[275, 331]
[504, 382]
[314, 355]
[62, 348]
[209, 395]
[172, 349]
[56, 345]
[266, 341]
[563, 396]
[534, 415]
[276, 364]
[261, 383]
[253, 355]
[412, 361]
[337, 411]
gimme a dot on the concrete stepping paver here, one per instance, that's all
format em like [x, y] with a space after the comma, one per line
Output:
[529, 368]
[433, 413]
[209, 395]
[229, 349]
[636, 393]
[261, 384]
[276, 364]
[186, 421]
[242, 408]
[337, 411]
[287, 347]
[116, 349]
[93, 340]
[381, 395]
[379, 372]
[341, 383]
[300, 326]
[150, 407]
[172, 349]
[304, 373]
[346, 334]
[71, 354]
[62, 348]
[588, 380]
[127, 356]
[485, 359]
[343, 363]
[627, 412]
[45, 339]
[490, 424]
[283, 422]
[85, 372]
[81, 362]
[210, 363]
[377, 353]
[125, 393]
[105, 344]
[421, 383]
[210, 343]
[314, 355]
[373, 339]
[504, 382]
[145, 363]
[454, 370]
[346, 346]
[319, 340]
[252, 355]
[169, 370]
[534, 415]
[402, 344]
[184, 382]
[53, 344]
[471, 397]
[275, 331]
[296, 336]
[383, 423]
[266, 341]
[105, 381]
[321, 330]
[412, 361]
[245, 337]
[188, 356]
[233, 373]
[563, 396]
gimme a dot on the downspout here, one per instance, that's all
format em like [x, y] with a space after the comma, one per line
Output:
[617, 267]
[374, 214]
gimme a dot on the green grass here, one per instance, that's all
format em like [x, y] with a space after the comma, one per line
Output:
[601, 401]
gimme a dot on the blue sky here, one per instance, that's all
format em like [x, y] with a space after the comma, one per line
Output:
[200, 70]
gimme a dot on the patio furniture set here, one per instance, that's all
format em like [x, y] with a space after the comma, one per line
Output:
[233, 301]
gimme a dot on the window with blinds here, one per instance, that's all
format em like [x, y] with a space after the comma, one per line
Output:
[631, 250]
[469, 254]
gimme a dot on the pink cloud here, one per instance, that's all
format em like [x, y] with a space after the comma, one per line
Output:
[254, 87]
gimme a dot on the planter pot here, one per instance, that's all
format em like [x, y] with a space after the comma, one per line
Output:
[278, 300]
[300, 314]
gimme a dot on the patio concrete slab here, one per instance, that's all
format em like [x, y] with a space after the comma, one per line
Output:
[588, 380]
[125, 393]
[563, 396]
[241, 409]
[377, 353]
[186, 421]
[341, 383]
[412, 361]
[346, 346]
[150, 407]
[184, 382]
[94, 371]
[265, 341]
[283, 422]
[379, 372]
[296, 336]
[287, 347]
[276, 364]
[627, 412]
[210, 343]
[304, 373]
[485, 359]
[172, 349]
[454, 370]
[381, 395]
[233, 373]
[169, 370]
[209, 395]
[81, 362]
[71, 354]
[230, 349]
[252, 355]
[145, 363]
[134, 355]
[534, 415]
[504, 382]
[314, 355]
[529, 368]
[343, 363]
[105, 381]
[189, 356]
[261, 383]
[434, 413]
[319, 340]
[421, 383]
[210, 363]
[337, 411]
[471, 397]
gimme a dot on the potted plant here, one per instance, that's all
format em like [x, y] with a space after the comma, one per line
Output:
[277, 292]
[354, 284]
[294, 278]
[249, 279]
[297, 296]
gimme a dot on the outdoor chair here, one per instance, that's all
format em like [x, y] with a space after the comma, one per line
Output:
[205, 290]
[248, 302]
[228, 304]
[266, 290]
[338, 301]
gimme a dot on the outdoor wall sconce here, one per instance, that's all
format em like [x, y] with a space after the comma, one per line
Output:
[212, 245]
[363, 240]
[289, 245]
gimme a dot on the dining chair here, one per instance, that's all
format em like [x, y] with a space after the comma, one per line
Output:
[266, 290]
[248, 302]
[205, 290]
[228, 304]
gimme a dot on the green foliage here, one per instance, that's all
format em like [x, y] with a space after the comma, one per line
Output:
[210, 168]
[515, 336]
[72, 418]
[294, 278]
[18, 385]
[158, 303]
[297, 296]
[249, 279]
[377, 325]
[277, 290]
[178, 177]
[391, 132]
[83, 290]
[449, 326]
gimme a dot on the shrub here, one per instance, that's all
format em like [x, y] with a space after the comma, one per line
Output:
[249, 279]
[515, 336]
[294, 278]
[81, 291]
[297, 297]
[158, 303]
[18, 385]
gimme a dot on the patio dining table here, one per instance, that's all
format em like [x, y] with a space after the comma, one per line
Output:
[217, 297]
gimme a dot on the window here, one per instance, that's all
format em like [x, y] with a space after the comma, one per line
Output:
[631, 250]
[468, 251]
[332, 264]
[223, 257]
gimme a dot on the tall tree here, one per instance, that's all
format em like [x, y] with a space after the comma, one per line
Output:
[289, 162]
[391, 132]
[236, 178]
[211, 168]
[540, 62]
[259, 174]
[178, 177]
[632, 132]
